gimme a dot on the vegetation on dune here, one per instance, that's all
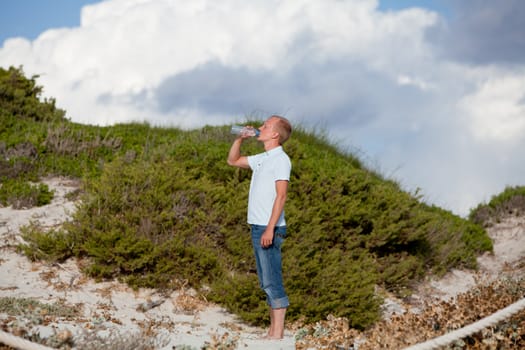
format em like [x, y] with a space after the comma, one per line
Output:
[160, 207]
[510, 202]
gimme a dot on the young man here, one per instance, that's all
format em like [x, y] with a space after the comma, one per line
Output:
[268, 191]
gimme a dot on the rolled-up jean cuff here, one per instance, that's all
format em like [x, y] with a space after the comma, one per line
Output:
[279, 303]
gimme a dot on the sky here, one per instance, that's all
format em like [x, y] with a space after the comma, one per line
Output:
[430, 94]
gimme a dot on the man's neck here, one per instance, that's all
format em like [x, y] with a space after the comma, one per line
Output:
[268, 146]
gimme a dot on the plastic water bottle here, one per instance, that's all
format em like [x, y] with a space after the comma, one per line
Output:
[244, 130]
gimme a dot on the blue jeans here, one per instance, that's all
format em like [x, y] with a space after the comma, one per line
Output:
[269, 266]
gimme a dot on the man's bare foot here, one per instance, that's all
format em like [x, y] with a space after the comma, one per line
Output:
[270, 337]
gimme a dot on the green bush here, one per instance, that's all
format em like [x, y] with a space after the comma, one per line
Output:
[50, 245]
[20, 98]
[161, 208]
[175, 212]
[510, 202]
[21, 194]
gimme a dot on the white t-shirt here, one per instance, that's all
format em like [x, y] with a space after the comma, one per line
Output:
[268, 167]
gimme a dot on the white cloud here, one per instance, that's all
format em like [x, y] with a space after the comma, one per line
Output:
[127, 47]
[495, 112]
[407, 80]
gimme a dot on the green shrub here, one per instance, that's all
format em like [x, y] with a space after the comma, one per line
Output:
[19, 168]
[160, 207]
[20, 98]
[176, 212]
[510, 202]
[51, 245]
[21, 194]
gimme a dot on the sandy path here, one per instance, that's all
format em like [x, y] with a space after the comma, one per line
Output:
[507, 261]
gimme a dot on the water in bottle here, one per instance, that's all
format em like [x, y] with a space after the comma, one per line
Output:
[244, 130]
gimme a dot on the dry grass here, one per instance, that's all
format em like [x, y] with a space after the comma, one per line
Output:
[188, 302]
[436, 319]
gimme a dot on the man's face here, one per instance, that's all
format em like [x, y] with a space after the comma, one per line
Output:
[267, 129]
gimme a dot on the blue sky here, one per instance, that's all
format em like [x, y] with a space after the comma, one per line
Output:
[428, 93]
[434, 5]
[28, 18]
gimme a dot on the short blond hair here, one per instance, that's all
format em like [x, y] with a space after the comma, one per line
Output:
[283, 127]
